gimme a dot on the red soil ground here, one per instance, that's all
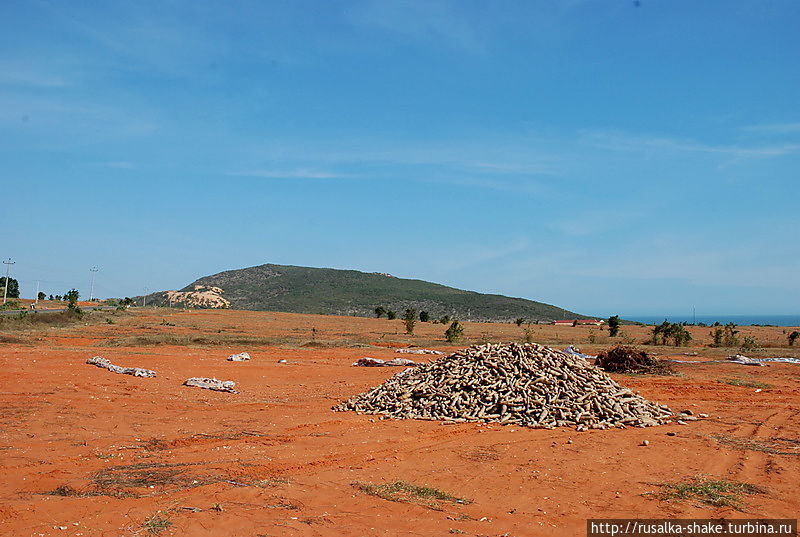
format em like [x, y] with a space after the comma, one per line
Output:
[275, 460]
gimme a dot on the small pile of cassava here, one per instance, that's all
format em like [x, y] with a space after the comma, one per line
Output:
[529, 385]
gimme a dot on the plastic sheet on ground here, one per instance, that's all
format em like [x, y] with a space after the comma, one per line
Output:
[575, 352]
[418, 351]
[743, 360]
[377, 362]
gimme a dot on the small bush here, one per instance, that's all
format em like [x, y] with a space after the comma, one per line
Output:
[793, 337]
[749, 344]
[410, 319]
[11, 305]
[380, 311]
[454, 332]
[613, 325]
[424, 316]
[391, 315]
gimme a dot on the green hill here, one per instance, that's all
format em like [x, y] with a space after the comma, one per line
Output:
[350, 292]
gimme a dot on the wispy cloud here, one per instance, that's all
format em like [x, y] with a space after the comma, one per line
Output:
[773, 128]
[624, 142]
[299, 173]
[423, 21]
[27, 74]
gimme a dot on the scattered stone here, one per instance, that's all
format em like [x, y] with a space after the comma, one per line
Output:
[211, 384]
[99, 361]
[529, 385]
[679, 422]
[241, 357]
[687, 412]
[703, 415]
[670, 433]
[645, 443]
[283, 361]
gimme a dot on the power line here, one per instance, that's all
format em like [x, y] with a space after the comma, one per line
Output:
[8, 272]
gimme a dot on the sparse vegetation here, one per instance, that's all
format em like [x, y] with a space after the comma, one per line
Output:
[715, 492]
[776, 446]
[402, 491]
[391, 315]
[156, 523]
[11, 305]
[410, 319]
[749, 343]
[725, 336]
[745, 383]
[528, 334]
[519, 321]
[424, 316]
[380, 311]
[454, 332]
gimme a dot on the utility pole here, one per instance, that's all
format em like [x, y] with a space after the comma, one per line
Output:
[93, 270]
[144, 297]
[8, 272]
[37, 292]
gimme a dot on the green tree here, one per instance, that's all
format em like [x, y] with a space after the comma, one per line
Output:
[729, 338]
[391, 315]
[613, 325]
[454, 333]
[445, 319]
[72, 295]
[13, 287]
[424, 316]
[51, 297]
[380, 311]
[519, 321]
[680, 336]
[793, 337]
[41, 295]
[661, 333]
[410, 319]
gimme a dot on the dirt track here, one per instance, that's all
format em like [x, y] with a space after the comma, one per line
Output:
[275, 460]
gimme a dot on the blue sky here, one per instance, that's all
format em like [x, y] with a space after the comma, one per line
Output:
[596, 155]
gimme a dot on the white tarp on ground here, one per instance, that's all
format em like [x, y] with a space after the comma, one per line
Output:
[743, 360]
[377, 362]
[418, 351]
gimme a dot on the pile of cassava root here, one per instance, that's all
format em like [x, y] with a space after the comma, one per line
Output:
[529, 385]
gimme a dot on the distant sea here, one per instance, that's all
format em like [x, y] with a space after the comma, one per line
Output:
[740, 320]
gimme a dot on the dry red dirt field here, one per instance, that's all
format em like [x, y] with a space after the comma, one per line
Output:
[86, 452]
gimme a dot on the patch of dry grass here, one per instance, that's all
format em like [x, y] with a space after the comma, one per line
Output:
[402, 491]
